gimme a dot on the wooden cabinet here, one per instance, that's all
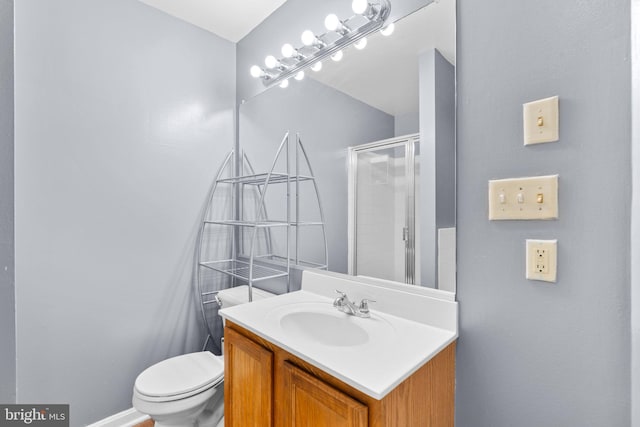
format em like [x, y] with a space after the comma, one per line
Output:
[308, 401]
[268, 386]
[250, 387]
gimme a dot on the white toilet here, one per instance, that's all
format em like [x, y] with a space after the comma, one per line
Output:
[187, 390]
[184, 391]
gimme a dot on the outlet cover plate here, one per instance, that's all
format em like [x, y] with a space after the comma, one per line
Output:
[542, 260]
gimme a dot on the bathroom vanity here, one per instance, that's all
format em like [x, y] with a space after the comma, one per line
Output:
[297, 360]
[265, 383]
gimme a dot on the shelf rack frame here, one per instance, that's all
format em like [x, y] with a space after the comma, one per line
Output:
[257, 267]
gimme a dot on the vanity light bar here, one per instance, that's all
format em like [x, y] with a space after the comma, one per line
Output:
[370, 17]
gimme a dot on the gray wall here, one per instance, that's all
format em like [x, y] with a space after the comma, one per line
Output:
[286, 24]
[437, 157]
[531, 353]
[329, 122]
[406, 124]
[7, 289]
[635, 219]
[123, 115]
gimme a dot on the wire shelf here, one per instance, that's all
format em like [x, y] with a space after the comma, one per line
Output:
[262, 224]
[240, 270]
[300, 263]
[265, 178]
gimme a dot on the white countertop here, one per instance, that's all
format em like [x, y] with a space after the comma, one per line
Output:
[397, 348]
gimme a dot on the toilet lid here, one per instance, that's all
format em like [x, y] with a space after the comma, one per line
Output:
[180, 374]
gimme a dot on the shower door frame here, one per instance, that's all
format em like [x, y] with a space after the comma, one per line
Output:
[409, 142]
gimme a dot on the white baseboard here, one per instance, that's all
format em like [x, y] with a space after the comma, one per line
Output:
[128, 418]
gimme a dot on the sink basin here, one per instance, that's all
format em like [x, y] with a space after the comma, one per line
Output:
[322, 324]
[325, 328]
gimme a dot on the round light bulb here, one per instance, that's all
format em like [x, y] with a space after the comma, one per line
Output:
[284, 84]
[300, 75]
[332, 22]
[270, 61]
[256, 71]
[361, 44]
[337, 56]
[388, 30]
[317, 66]
[359, 6]
[288, 51]
[308, 38]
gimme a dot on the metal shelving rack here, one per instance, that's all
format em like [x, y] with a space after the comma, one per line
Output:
[254, 267]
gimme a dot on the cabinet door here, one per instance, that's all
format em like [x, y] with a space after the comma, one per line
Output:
[248, 382]
[310, 402]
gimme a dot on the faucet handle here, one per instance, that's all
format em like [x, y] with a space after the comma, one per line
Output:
[340, 300]
[364, 305]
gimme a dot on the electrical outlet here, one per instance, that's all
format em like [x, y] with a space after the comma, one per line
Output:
[542, 258]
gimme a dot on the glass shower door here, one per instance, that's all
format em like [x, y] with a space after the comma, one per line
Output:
[382, 205]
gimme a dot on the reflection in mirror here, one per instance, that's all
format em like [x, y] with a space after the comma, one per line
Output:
[370, 16]
[383, 178]
[398, 85]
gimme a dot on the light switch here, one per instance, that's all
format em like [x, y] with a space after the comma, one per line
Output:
[524, 198]
[541, 121]
[542, 260]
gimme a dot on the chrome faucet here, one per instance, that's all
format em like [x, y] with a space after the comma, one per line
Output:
[343, 304]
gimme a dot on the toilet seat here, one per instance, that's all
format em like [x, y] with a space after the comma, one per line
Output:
[179, 377]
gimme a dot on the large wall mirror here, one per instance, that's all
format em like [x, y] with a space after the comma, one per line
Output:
[379, 130]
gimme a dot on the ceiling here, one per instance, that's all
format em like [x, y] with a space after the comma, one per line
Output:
[387, 64]
[230, 19]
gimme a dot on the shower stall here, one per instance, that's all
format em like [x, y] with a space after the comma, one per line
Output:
[383, 217]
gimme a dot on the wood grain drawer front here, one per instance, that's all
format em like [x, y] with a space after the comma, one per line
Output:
[248, 382]
[310, 402]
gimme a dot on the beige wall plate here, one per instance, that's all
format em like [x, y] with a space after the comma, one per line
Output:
[524, 198]
[541, 121]
[542, 260]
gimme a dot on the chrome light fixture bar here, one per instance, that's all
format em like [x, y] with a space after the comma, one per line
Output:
[370, 16]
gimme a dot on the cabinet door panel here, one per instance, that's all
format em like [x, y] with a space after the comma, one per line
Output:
[248, 382]
[309, 402]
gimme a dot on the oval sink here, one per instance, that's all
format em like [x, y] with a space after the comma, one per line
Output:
[325, 328]
[322, 324]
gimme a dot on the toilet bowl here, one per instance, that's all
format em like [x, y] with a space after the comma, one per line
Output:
[187, 390]
[183, 391]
